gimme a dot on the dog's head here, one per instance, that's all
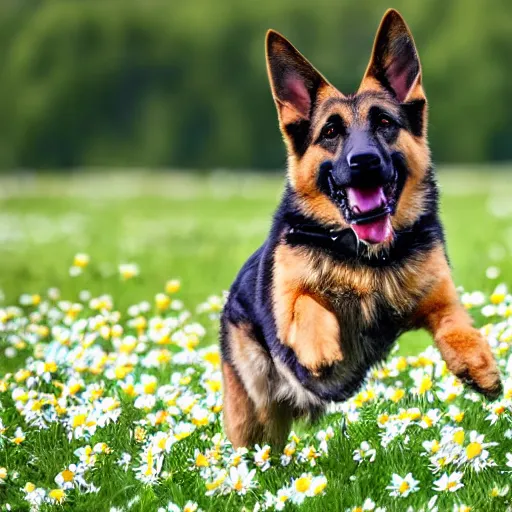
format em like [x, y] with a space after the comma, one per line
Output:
[359, 159]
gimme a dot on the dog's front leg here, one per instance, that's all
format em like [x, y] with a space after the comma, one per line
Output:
[314, 334]
[465, 350]
[304, 321]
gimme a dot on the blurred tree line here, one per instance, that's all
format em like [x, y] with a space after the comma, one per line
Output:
[183, 83]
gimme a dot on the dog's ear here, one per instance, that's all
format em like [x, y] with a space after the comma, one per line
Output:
[295, 83]
[394, 63]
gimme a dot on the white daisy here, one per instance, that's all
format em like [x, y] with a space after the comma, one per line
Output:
[364, 452]
[449, 483]
[402, 487]
[262, 457]
[241, 479]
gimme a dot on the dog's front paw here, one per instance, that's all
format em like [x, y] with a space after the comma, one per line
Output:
[469, 357]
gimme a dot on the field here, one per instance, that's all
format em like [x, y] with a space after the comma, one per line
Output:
[122, 410]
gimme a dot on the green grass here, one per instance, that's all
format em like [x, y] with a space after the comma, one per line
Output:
[201, 229]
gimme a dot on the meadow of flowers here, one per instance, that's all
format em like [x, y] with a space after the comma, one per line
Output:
[102, 409]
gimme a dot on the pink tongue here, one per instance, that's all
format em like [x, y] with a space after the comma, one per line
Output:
[365, 200]
[374, 232]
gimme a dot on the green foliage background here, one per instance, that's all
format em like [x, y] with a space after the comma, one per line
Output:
[183, 83]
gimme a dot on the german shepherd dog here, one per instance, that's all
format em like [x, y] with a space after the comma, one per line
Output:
[356, 253]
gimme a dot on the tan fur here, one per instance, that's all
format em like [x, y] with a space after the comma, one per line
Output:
[252, 364]
[302, 322]
[240, 422]
[314, 335]
[251, 415]
[369, 84]
[288, 388]
[412, 200]
[298, 274]
[466, 352]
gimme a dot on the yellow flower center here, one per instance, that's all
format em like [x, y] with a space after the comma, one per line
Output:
[162, 301]
[67, 475]
[302, 484]
[413, 414]
[50, 367]
[426, 384]
[458, 437]
[289, 451]
[427, 420]
[78, 420]
[97, 393]
[473, 450]
[192, 341]
[401, 364]
[383, 418]
[129, 389]
[497, 298]
[404, 487]
[150, 388]
[36, 406]
[172, 286]
[81, 260]
[57, 495]
[213, 385]
[74, 388]
[201, 461]
[21, 375]
[164, 356]
[215, 483]
[397, 395]
[319, 488]
[213, 358]
[500, 409]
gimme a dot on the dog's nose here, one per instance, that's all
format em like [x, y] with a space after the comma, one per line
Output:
[368, 161]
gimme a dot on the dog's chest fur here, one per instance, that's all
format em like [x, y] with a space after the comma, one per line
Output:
[373, 306]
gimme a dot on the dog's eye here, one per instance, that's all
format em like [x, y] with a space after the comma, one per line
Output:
[384, 121]
[330, 131]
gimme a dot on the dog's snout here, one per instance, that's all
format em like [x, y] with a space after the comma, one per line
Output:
[368, 161]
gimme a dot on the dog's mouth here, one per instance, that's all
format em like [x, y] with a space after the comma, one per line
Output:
[367, 210]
